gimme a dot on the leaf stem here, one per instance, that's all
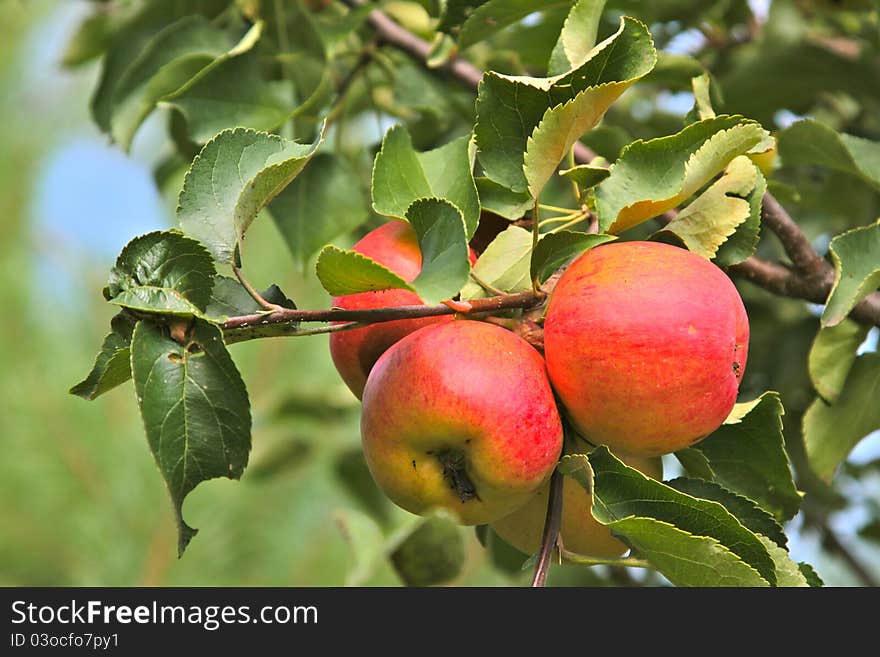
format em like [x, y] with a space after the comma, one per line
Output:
[580, 217]
[563, 218]
[536, 235]
[487, 286]
[252, 291]
[556, 208]
[572, 162]
[631, 562]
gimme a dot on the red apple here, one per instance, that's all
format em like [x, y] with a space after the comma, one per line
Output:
[646, 344]
[395, 246]
[460, 415]
[579, 531]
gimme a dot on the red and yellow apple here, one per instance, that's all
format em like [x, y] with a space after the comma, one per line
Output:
[395, 246]
[579, 531]
[460, 415]
[645, 344]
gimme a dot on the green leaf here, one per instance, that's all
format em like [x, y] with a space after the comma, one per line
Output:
[651, 177]
[832, 355]
[494, 15]
[162, 272]
[504, 264]
[746, 511]
[233, 177]
[126, 45]
[93, 35]
[401, 176]
[625, 57]
[502, 201]
[455, 12]
[440, 231]
[344, 272]
[113, 364]
[810, 575]
[714, 216]
[578, 36]
[702, 110]
[229, 299]
[624, 498]
[233, 93]
[810, 142]
[555, 249]
[747, 455]
[586, 175]
[525, 126]
[832, 430]
[195, 409]
[183, 50]
[744, 241]
[856, 255]
[685, 559]
[321, 204]
[788, 572]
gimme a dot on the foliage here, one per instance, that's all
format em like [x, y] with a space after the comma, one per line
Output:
[268, 103]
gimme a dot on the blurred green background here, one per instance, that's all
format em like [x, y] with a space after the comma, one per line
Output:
[81, 501]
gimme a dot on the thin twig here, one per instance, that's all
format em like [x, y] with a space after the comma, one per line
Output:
[551, 530]
[376, 315]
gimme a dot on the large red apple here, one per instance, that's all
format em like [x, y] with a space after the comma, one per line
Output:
[460, 415]
[646, 344]
[579, 531]
[393, 245]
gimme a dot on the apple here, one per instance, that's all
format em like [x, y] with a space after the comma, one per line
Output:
[395, 246]
[579, 532]
[646, 344]
[460, 415]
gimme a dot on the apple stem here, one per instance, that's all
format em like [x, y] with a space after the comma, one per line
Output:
[551, 530]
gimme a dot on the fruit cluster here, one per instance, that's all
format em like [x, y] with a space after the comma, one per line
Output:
[644, 348]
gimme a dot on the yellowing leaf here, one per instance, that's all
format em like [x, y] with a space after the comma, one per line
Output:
[651, 177]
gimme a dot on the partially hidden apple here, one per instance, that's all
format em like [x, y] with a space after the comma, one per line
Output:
[395, 246]
[646, 344]
[461, 416]
[579, 532]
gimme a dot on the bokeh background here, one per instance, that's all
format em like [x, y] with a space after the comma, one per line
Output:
[81, 501]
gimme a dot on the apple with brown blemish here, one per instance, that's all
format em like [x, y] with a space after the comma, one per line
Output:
[461, 416]
[646, 344]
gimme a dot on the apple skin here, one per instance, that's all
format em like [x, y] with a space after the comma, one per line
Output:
[354, 352]
[646, 344]
[579, 531]
[468, 392]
